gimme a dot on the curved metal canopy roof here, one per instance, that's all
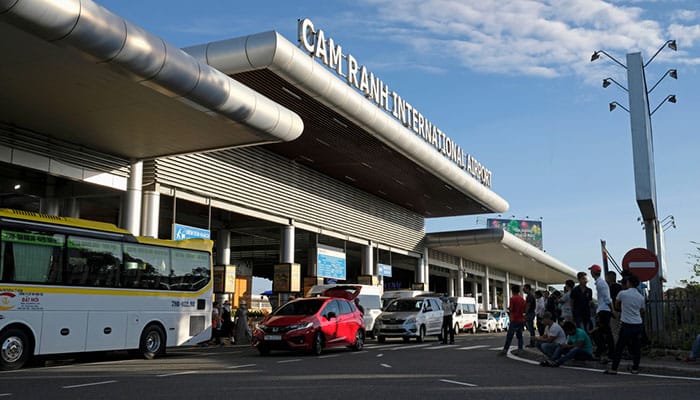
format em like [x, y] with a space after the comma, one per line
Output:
[503, 250]
[108, 84]
[347, 136]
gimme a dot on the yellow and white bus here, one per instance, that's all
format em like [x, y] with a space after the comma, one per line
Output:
[69, 285]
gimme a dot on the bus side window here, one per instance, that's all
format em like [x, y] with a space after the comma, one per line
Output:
[29, 256]
[91, 261]
[146, 266]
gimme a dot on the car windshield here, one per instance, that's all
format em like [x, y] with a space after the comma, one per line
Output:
[404, 305]
[369, 301]
[496, 314]
[483, 316]
[300, 307]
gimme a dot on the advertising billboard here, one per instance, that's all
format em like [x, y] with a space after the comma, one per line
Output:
[527, 230]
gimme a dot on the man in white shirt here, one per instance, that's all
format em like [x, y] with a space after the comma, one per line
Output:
[553, 336]
[604, 345]
[632, 303]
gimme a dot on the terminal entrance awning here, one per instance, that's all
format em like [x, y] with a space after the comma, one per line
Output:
[497, 248]
[79, 73]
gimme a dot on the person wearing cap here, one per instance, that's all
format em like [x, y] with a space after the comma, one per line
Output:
[603, 334]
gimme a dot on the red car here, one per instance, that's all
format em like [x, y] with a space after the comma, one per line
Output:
[312, 324]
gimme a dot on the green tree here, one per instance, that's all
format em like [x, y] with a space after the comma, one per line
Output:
[695, 262]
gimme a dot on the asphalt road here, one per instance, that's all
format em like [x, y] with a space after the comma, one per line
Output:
[392, 370]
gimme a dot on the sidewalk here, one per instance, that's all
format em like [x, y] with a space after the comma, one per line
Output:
[657, 362]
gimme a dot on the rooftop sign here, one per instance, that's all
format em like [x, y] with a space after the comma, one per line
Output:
[345, 65]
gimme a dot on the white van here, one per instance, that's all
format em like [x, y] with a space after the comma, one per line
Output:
[408, 317]
[370, 299]
[466, 317]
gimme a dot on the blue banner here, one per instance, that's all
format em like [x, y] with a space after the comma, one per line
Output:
[182, 232]
[384, 270]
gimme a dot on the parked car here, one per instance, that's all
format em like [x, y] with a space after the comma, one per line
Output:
[465, 317]
[502, 319]
[370, 298]
[311, 324]
[415, 317]
[487, 322]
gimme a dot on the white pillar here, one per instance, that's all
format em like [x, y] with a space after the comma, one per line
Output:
[367, 259]
[506, 292]
[494, 303]
[287, 244]
[223, 247]
[486, 292]
[460, 279]
[71, 207]
[151, 213]
[475, 289]
[451, 284]
[132, 202]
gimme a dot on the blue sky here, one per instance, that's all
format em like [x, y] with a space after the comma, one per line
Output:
[512, 83]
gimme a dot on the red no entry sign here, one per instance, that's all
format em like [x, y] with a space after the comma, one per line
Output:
[642, 263]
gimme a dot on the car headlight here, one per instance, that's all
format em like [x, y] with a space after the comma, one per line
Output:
[411, 320]
[260, 326]
[300, 326]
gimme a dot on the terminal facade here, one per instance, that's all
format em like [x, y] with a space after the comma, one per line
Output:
[301, 170]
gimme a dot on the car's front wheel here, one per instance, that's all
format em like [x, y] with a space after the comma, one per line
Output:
[421, 334]
[317, 344]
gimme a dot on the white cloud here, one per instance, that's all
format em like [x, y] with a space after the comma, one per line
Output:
[685, 15]
[546, 38]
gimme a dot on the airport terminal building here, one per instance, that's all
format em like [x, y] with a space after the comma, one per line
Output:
[296, 160]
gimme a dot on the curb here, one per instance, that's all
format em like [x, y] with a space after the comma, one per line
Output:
[647, 366]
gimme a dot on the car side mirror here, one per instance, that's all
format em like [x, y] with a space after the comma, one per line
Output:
[459, 312]
[330, 315]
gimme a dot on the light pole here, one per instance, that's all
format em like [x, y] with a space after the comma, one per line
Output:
[643, 156]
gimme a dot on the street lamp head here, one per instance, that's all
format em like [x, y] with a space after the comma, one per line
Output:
[671, 98]
[595, 56]
[615, 104]
[672, 45]
[606, 82]
[673, 74]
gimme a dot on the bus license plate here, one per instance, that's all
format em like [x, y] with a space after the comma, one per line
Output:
[273, 337]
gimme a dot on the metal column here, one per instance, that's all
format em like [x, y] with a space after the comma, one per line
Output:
[644, 173]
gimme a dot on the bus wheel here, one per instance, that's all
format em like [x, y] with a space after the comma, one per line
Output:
[14, 349]
[152, 342]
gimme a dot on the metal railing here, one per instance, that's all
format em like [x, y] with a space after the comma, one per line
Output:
[681, 321]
